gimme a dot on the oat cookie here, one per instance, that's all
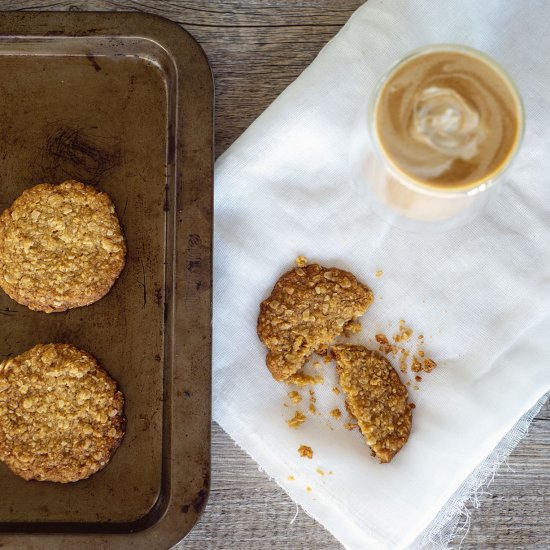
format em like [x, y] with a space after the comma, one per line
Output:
[308, 307]
[376, 397]
[61, 415]
[61, 246]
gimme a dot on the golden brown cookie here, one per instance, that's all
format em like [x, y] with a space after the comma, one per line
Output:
[61, 246]
[61, 415]
[375, 397]
[308, 307]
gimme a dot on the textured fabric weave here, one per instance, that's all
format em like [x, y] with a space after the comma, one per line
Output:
[481, 292]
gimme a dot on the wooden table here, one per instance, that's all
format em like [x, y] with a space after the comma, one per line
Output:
[256, 48]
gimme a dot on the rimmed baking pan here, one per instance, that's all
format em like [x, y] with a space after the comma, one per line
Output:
[124, 102]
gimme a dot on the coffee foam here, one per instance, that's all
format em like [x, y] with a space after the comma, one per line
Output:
[447, 119]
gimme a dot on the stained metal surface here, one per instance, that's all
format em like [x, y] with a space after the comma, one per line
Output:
[123, 102]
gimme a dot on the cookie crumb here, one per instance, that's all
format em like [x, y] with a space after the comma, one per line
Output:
[336, 390]
[302, 379]
[350, 426]
[379, 273]
[320, 472]
[418, 362]
[305, 452]
[416, 365]
[404, 333]
[418, 378]
[385, 347]
[322, 350]
[295, 397]
[429, 365]
[291, 478]
[336, 413]
[296, 420]
[312, 402]
[403, 360]
[352, 327]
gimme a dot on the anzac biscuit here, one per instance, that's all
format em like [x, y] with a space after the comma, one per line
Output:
[308, 307]
[375, 397]
[61, 246]
[61, 415]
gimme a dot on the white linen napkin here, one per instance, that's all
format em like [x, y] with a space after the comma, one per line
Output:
[481, 292]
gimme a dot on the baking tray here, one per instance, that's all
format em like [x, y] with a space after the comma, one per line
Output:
[123, 102]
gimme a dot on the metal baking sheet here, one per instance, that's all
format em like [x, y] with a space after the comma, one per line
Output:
[123, 102]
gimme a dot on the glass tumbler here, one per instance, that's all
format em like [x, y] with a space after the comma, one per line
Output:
[439, 130]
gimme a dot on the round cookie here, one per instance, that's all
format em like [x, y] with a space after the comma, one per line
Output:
[61, 247]
[61, 415]
[307, 309]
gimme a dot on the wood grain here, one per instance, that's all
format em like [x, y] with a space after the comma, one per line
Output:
[256, 48]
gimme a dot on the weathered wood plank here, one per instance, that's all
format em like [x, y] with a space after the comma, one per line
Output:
[259, 13]
[256, 48]
[247, 511]
[516, 512]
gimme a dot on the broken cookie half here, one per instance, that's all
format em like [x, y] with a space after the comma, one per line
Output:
[307, 309]
[376, 397]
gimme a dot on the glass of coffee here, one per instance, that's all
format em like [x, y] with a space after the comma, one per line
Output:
[442, 126]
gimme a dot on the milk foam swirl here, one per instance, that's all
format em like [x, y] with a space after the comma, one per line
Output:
[447, 119]
[443, 120]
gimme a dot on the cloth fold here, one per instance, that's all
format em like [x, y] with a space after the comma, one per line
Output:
[480, 294]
